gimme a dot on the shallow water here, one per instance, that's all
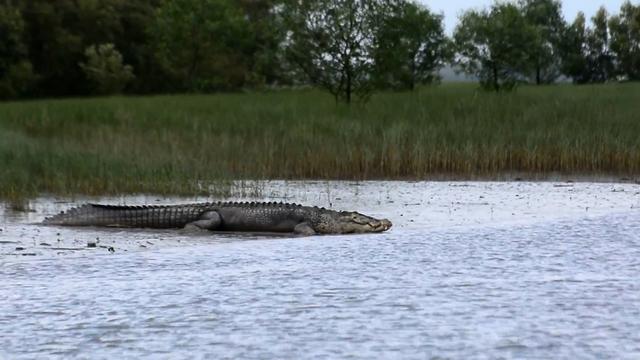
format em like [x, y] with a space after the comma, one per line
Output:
[469, 270]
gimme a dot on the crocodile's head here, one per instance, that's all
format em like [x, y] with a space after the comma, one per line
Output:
[348, 222]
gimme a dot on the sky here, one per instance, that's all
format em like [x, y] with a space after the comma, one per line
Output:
[452, 8]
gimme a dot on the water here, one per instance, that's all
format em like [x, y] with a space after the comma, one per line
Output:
[470, 270]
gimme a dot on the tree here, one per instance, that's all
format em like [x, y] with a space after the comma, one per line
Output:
[600, 58]
[131, 36]
[494, 46]
[53, 49]
[201, 42]
[105, 70]
[264, 52]
[545, 16]
[410, 46]
[331, 42]
[59, 31]
[16, 73]
[574, 51]
[625, 41]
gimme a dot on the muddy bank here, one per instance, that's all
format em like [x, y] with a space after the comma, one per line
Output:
[411, 206]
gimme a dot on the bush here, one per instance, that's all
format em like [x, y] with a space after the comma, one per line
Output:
[17, 80]
[105, 70]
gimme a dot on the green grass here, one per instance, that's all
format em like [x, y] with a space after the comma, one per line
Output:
[174, 144]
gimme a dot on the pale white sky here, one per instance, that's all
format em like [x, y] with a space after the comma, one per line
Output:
[452, 8]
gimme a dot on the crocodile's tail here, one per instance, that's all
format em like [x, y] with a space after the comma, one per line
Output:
[159, 217]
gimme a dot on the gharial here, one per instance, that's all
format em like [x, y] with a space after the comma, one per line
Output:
[224, 216]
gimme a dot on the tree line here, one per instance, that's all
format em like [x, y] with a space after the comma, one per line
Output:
[349, 47]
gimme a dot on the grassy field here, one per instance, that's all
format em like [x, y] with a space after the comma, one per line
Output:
[174, 144]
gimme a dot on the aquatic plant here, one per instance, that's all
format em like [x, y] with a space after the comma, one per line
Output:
[191, 144]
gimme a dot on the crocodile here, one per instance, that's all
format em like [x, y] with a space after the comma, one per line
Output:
[223, 216]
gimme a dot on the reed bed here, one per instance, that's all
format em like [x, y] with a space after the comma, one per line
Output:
[186, 144]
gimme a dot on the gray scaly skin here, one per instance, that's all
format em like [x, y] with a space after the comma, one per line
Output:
[224, 216]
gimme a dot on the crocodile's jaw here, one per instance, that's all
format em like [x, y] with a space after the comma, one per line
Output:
[371, 226]
[384, 225]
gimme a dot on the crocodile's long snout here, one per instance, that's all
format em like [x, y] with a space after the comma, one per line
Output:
[383, 225]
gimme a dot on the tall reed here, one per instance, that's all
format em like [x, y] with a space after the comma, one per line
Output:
[180, 144]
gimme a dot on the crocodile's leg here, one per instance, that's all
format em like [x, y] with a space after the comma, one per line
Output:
[208, 221]
[304, 229]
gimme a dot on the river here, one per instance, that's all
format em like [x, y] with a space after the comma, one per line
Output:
[470, 270]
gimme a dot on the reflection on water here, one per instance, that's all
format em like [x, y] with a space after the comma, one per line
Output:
[458, 277]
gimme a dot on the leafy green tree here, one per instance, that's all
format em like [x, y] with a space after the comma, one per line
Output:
[16, 73]
[125, 24]
[601, 60]
[97, 21]
[137, 45]
[625, 41]
[264, 53]
[494, 45]
[545, 16]
[54, 49]
[58, 32]
[332, 43]
[574, 52]
[105, 70]
[410, 46]
[201, 42]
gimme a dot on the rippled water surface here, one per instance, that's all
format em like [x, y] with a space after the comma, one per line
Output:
[469, 270]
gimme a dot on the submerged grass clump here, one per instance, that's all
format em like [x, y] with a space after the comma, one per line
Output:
[183, 144]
